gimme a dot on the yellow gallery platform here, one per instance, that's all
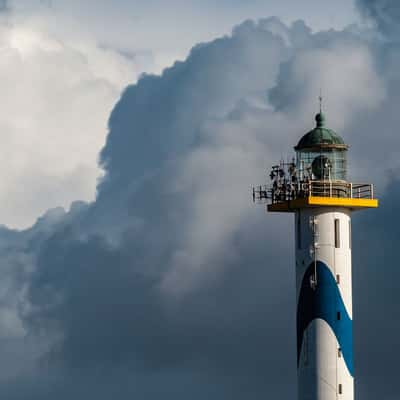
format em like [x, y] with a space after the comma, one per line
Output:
[313, 201]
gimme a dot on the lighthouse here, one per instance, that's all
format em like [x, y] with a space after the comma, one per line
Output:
[314, 186]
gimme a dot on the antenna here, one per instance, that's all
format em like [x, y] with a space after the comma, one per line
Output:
[320, 100]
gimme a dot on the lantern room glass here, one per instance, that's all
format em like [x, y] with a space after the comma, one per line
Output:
[323, 164]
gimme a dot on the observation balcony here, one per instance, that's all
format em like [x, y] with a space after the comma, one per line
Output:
[289, 197]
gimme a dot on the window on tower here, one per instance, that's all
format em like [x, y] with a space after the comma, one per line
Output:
[298, 229]
[337, 233]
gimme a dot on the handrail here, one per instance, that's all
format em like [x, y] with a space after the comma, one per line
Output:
[302, 189]
[341, 189]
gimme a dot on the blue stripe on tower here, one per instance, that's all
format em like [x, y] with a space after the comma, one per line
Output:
[324, 302]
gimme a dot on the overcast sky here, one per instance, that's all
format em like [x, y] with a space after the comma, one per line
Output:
[171, 28]
[133, 262]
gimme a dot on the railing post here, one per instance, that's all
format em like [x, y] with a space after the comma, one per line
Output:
[372, 191]
[351, 190]
[330, 189]
[359, 192]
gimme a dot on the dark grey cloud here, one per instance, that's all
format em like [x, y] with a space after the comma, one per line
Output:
[384, 13]
[172, 284]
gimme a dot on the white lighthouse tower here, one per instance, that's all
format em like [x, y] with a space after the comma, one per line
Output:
[315, 188]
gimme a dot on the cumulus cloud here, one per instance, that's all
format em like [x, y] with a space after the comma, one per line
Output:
[56, 97]
[171, 283]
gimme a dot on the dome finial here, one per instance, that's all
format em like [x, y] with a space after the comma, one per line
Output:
[320, 117]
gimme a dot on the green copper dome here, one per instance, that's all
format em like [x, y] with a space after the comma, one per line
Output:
[321, 137]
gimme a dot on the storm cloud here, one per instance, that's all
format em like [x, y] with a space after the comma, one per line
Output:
[385, 15]
[172, 283]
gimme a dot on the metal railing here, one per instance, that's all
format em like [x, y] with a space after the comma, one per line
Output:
[337, 189]
[341, 189]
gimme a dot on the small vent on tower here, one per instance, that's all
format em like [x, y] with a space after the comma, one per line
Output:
[340, 389]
